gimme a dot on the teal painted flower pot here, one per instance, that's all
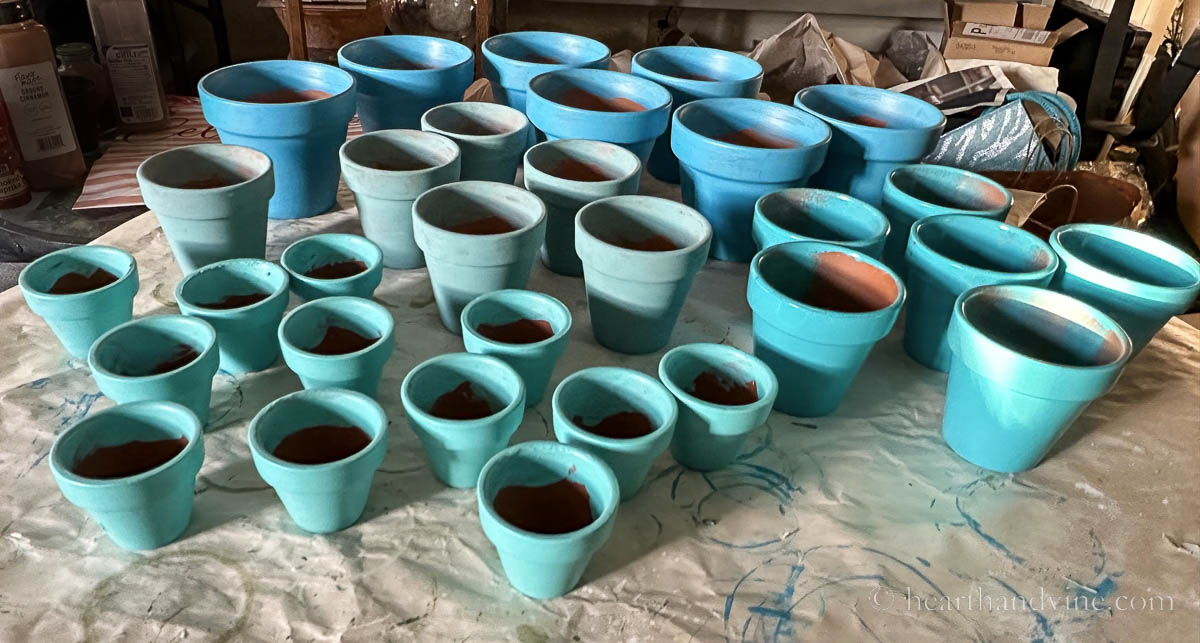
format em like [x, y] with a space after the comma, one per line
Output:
[144, 359]
[596, 393]
[328, 497]
[818, 310]
[634, 296]
[387, 171]
[211, 201]
[454, 226]
[809, 214]
[303, 334]
[246, 334]
[146, 510]
[732, 151]
[1026, 362]
[459, 448]
[546, 565]
[534, 361]
[511, 59]
[1138, 280]
[492, 137]
[330, 248]
[952, 253]
[78, 319]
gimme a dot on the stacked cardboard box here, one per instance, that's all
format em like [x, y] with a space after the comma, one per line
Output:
[1012, 31]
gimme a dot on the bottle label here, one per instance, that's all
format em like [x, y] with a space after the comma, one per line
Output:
[134, 83]
[37, 109]
[12, 183]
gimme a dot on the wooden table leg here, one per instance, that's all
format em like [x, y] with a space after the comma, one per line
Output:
[297, 42]
[483, 24]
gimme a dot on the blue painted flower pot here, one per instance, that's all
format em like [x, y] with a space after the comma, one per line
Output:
[324, 249]
[303, 328]
[723, 180]
[320, 498]
[463, 266]
[123, 360]
[511, 59]
[79, 319]
[568, 174]
[562, 104]
[690, 73]
[634, 296]
[398, 78]
[246, 335]
[595, 393]
[535, 361]
[492, 137]
[387, 171]
[874, 132]
[1026, 363]
[952, 253]
[302, 138]
[547, 565]
[709, 436]
[809, 214]
[1137, 279]
[818, 309]
[142, 511]
[458, 449]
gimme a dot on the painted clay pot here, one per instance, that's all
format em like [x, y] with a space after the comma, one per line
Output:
[533, 361]
[809, 214]
[511, 59]
[333, 248]
[492, 137]
[306, 326]
[398, 78]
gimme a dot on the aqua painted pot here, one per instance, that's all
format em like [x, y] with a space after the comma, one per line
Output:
[320, 498]
[1026, 362]
[809, 214]
[1138, 280]
[246, 336]
[952, 253]
[724, 180]
[302, 138]
[463, 266]
[690, 73]
[818, 310]
[387, 171]
[205, 225]
[122, 361]
[709, 436]
[534, 362]
[79, 319]
[511, 59]
[492, 137]
[323, 249]
[303, 328]
[553, 170]
[875, 131]
[634, 296]
[458, 449]
[398, 78]
[595, 393]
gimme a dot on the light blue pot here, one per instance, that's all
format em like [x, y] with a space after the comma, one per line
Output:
[813, 350]
[534, 362]
[1027, 361]
[323, 249]
[634, 296]
[320, 498]
[598, 392]
[458, 449]
[914, 192]
[302, 139]
[385, 196]
[303, 328]
[723, 180]
[485, 157]
[635, 131]
[564, 197]
[464, 266]
[1137, 279]
[398, 78]
[143, 511]
[809, 214]
[861, 156]
[690, 73]
[952, 253]
[709, 436]
[78, 319]
[246, 336]
[121, 358]
[510, 60]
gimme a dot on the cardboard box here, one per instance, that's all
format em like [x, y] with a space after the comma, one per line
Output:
[1006, 42]
[1026, 15]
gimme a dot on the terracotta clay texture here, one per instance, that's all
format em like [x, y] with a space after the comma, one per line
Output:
[869, 121]
[128, 459]
[587, 100]
[229, 302]
[557, 508]
[622, 425]
[486, 225]
[461, 403]
[182, 356]
[714, 387]
[755, 138]
[337, 270]
[322, 444]
[208, 183]
[845, 284]
[521, 331]
[340, 341]
[74, 283]
[287, 96]
[398, 165]
[574, 170]
[656, 243]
